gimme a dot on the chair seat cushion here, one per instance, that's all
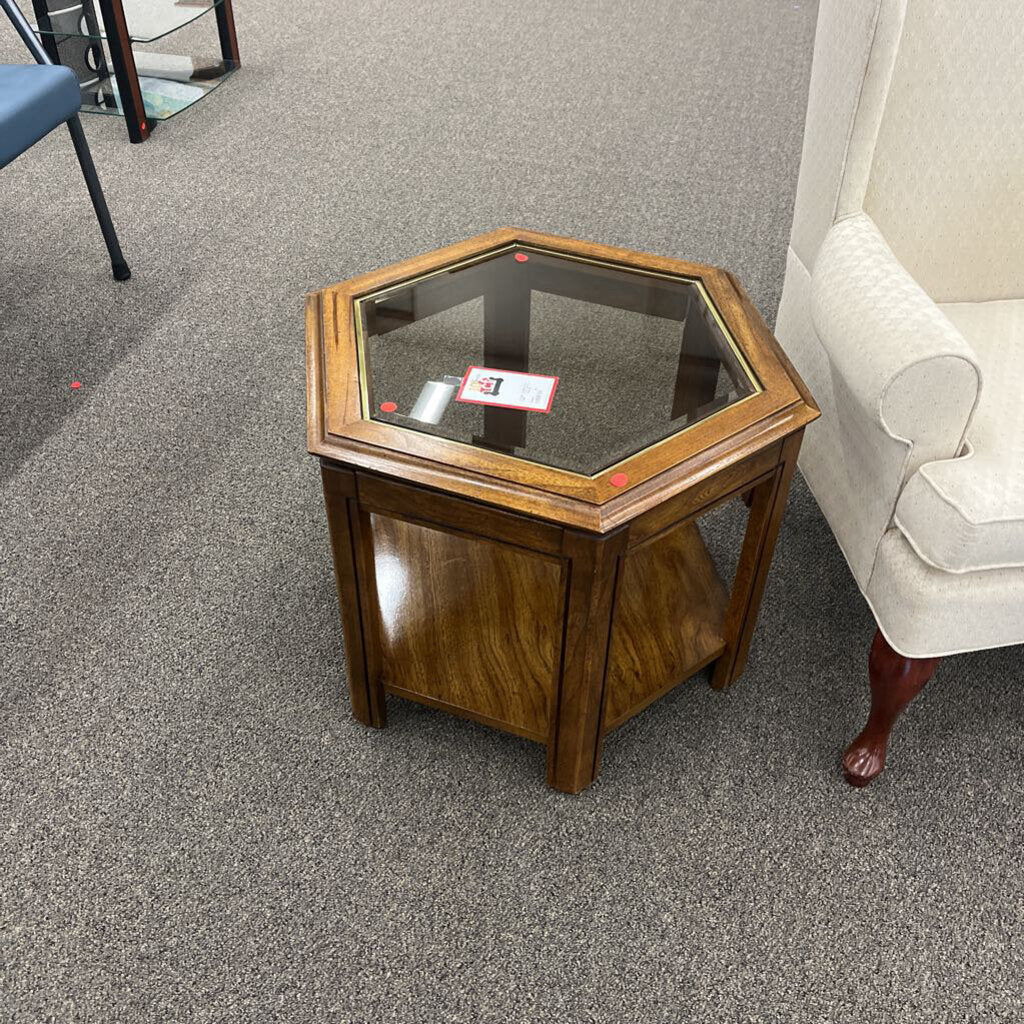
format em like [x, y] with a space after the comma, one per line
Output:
[967, 513]
[34, 99]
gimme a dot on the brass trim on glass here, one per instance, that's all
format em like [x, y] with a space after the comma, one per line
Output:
[364, 399]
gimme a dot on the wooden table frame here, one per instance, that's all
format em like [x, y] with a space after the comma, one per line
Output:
[606, 598]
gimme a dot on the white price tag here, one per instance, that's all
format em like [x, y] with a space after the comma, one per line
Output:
[507, 389]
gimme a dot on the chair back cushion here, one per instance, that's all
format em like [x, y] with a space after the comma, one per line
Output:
[946, 185]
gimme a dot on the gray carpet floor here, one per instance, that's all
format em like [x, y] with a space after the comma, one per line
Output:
[192, 828]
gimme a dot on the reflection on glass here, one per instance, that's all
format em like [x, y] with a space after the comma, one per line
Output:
[147, 20]
[168, 83]
[638, 357]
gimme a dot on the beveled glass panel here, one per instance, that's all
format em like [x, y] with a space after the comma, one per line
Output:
[638, 357]
[147, 20]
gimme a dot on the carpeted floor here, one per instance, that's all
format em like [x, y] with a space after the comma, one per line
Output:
[191, 826]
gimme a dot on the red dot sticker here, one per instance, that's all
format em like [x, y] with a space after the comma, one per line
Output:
[388, 407]
[521, 257]
[76, 384]
[618, 480]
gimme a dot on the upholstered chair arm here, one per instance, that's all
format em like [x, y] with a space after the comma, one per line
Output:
[906, 379]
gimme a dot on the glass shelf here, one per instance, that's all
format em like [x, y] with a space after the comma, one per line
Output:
[169, 85]
[147, 20]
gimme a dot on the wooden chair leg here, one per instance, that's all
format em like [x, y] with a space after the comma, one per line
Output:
[895, 682]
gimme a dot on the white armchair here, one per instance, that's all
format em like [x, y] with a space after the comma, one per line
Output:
[903, 309]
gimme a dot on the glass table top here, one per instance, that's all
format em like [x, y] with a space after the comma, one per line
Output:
[561, 360]
[147, 20]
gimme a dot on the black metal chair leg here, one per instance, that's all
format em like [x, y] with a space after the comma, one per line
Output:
[117, 262]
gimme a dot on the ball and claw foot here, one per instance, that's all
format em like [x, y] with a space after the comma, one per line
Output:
[863, 760]
[895, 682]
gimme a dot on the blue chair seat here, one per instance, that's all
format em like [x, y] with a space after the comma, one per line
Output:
[34, 99]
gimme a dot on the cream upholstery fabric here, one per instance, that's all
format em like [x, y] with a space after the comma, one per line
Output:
[947, 178]
[928, 613]
[822, 466]
[890, 347]
[908, 220]
[847, 29]
[890, 351]
[967, 513]
[871, 100]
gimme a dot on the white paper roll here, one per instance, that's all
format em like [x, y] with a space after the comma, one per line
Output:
[432, 401]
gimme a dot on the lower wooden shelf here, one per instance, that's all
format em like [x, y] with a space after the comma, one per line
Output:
[474, 627]
[468, 625]
[668, 621]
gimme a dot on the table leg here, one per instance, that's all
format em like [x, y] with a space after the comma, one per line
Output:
[763, 522]
[575, 743]
[226, 31]
[351, 545]
[698, 369]
[127, 78]
[506, 347]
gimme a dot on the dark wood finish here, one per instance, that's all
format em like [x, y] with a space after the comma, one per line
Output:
[574, 743]
[763, 526]
[895, 682]
[365, 689]
[369, 605]
[226, 32]
[705, 494]
[123, 59]
[431, 296]
[403, 501]
[698, 369]
[637, 295]
[539, 601]
[506, 347]
[443, 595]
[668, 621]
[696, 384]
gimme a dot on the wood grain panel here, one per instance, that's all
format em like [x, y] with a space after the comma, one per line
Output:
[668, 621]
[763, 524]
[367, 696]
[704, 495]
[379, 494]
[468, 625]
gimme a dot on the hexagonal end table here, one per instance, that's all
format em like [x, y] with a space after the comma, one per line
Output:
[517, 435]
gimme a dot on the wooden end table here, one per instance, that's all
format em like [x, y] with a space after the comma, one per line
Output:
[517, 435]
